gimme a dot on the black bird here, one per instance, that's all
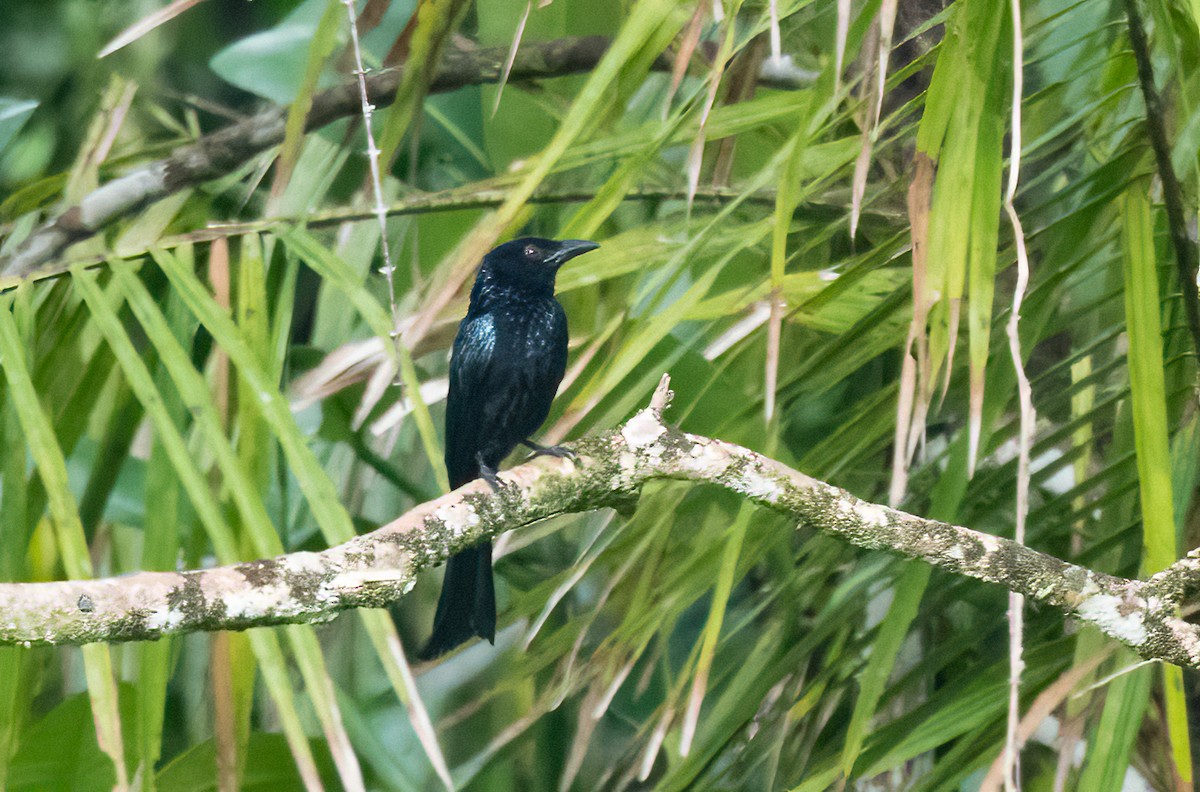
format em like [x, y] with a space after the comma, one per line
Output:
[507, 361]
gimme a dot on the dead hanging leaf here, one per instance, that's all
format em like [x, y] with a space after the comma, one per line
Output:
[655, 743]
[920, 203]
[887, 24]
[378, 384]
[581, 740]
[914, 369]
[1043, 706]
[696, 152]
[774, 331]
[884, 25]
[398, 53]
[432, 392]
[756, 315]
[839, 43]
[868, 60]
[218, 276]
[683, 56]
[369, 361]
[904, 410]
[102, 133]
[368, 19]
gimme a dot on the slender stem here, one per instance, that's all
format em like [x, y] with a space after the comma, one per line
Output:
[1185, 249]
[380, 208]
[1016, 602]
[426, 203]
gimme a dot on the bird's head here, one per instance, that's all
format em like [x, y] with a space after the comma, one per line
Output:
[532, 262]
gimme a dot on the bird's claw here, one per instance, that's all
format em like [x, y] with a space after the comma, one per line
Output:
[555, 451]
[488, 474]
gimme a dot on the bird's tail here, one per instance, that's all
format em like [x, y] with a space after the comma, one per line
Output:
[467, 606]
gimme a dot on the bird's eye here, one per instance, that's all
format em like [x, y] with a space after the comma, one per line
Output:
[532, 253]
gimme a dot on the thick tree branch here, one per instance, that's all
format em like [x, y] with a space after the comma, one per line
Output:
[221, 152]
[376, 568]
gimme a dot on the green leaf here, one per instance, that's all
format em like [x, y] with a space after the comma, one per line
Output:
[264, 643]
[318, 489]
[435, 20]
[906, 593]
[68, 530]
[324, 41]
[1112, 739]
[13, 115]
[270, 770]
[1148, 390]
[273, 64]
[59, 750]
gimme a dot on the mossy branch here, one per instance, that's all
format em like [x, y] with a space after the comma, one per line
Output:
[611, 468]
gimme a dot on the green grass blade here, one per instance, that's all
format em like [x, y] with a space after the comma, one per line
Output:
[1146, 382]
[266, 647]
[159, 550]
[337, 273]
[321, 495]
[712, 625]
[52, 467]
[324, 42]
[981, 254]
[12, 568]
[1147, 387]
[1112, 740]
[434, 21]
[254, 519]
[909, 589]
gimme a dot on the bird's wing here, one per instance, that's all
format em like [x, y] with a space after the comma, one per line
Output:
[471, 362]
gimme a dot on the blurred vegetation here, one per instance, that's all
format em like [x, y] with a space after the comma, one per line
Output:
[695, 642]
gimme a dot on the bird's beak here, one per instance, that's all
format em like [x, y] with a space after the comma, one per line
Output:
[569, 249]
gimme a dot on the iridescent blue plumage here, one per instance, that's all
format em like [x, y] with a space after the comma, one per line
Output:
[505, 367]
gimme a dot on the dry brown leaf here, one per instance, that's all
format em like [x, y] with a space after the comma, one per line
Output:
[146, 24]
[687, 48]
[920, 200]
[218, 276]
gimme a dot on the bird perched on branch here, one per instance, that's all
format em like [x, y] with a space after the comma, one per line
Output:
[505, 366]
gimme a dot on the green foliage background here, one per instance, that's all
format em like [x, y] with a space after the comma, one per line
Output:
[695, 642]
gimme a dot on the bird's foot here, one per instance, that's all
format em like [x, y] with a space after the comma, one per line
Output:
[554, 451]
[488, 474]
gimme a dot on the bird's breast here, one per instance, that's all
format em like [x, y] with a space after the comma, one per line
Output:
[531, 332]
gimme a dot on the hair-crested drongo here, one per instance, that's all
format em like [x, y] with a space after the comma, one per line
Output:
[505, 366]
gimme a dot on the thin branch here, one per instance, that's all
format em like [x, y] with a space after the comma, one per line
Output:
[374, 569]
[452, 200]
[1181, 243]
[219, 153]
